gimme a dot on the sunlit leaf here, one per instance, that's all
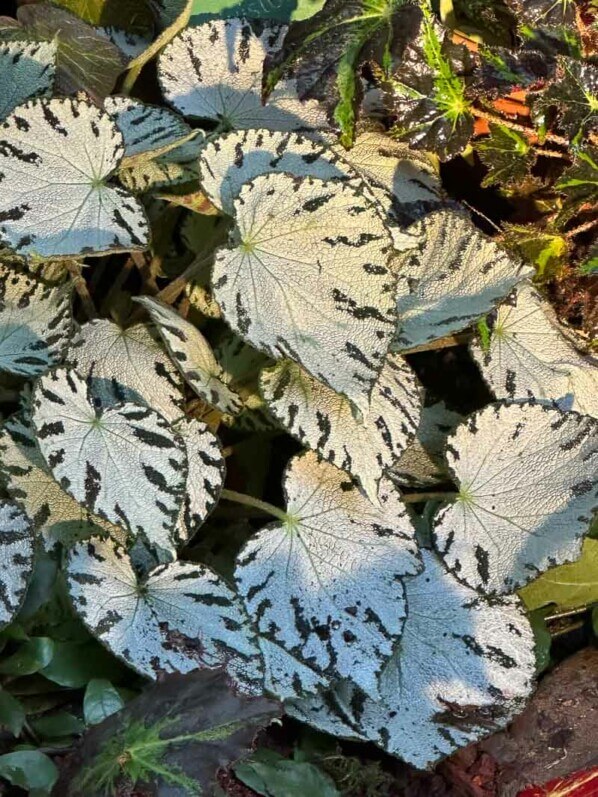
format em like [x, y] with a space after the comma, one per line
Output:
[35, 323]
[568, 586]
[26, 70]
[325, 584]
[527, 477]
[193, 356]
[180, 618]
[56, 199]
[280, 10]
[547, 249]
[545, 12]
[507, 155]
[580, 181]
[123, 463]
[325, 421]
[306, 277]
[463, 669]
[131, 14]
[574, 93]
[130, 44]
[214, 72]
[453, 277]
[16, 564]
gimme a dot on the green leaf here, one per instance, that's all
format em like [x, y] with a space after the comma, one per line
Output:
[100, 701]
[75, 664]
[12, 713]
[507, 155]
[86, 60]
[547, 250]
[58, 725]
[31, 657]
[574, 93]
[580, 181]
[325, 52]
[279, 10]
[568, 586]
[271, 775]
[542, 638]
[131, 15]
[30, 770]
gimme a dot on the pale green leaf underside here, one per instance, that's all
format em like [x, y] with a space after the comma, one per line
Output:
[56, 200]
[325, 421]
[182, 617]
[312, 585]
[35, 323]
[527, 476]
[306, 277]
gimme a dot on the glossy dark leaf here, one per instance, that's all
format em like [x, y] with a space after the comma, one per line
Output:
[574, 94]
[507, 155]
[12, 713]
[545, 12]
[211, 723]
[86, 60]
[29, 769]
[501, 70]
[326, 52]
[430, 93]
[271, 775]
[131, 15]
[101, 701]
[580, 181]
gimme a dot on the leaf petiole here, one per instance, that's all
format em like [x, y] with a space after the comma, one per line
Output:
[256, 503]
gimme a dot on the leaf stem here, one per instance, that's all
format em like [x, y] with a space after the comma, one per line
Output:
[582, 228]
[419, 498]
[256, 503]
[528, 131]
[80, 286]
[440, 343]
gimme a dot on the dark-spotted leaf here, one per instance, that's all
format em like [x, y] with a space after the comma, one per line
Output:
[16, 563]
[507, 155]
[26, 70]
[553, 13]
[574, 94]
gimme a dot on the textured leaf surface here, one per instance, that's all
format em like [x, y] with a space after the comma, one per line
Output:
[286, 676]
[307, 255]
[545, 12]
[145, 127]
[527, 357]
[325, 421]
[568, 586]
[193, 356]
[452, 278]
[16, 563]
[575, 94]
[507, 155]
[127, 365]
[229, 161]
[56, 199]
[215, 72]
[181, 618]
[528, 478]
[26, 70]
[326, 585]
[123, 463]
[56, 516]
[463, 669]
[35, 323]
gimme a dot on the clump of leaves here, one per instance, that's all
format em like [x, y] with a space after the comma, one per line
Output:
[210, 314]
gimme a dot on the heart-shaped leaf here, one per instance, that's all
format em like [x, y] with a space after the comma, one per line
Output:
[527, 478]
[451, 279]
[26, 70]
[325, 421]
[180, 618]
[56, 200]
[307, 278]
[123, 463]
[35, 323]
[215, 72]
[326, 583]
[16, 564]
[463, 668]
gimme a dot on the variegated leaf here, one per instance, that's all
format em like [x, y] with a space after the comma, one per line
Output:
[56, 200]
[123, 463]
[127, 365]
[227, 162]
[130, 44]
[193, 356]
[54, 514]
[215, 72]
[528, 358]
[325, 421]
[146, 128]
[325, 584]
[455, 276]
[206, 473]
[528, 483]
[286, 676]
[35, 323]
[180, 618]
[307, 277]
[16, 562]
[463, 668]
[26, 70]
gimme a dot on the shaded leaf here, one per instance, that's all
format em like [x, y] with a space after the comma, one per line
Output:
[12, 713]
[26, 70]
[326, 422]
[123, 463]
[313, 582]
[180, 618]
[100, 701]
[275, 282]
[56, 200]
[31, 657]
[545, 12]
[568, 586]
[269, 774]
[580, 181]
[57, 725]
[280, 10]
[29, 769]
[75, 664]
[507, 155]
[496, 537]
[35, 323]
[574, 93]
[130, 14]
[501, 70]
[453, 277]
[16, 564]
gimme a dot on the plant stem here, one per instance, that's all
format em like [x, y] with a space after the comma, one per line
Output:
[419, 498]
[527, 131]
[80, 286]
[582, 228]
[249, 500]
[441, 343]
